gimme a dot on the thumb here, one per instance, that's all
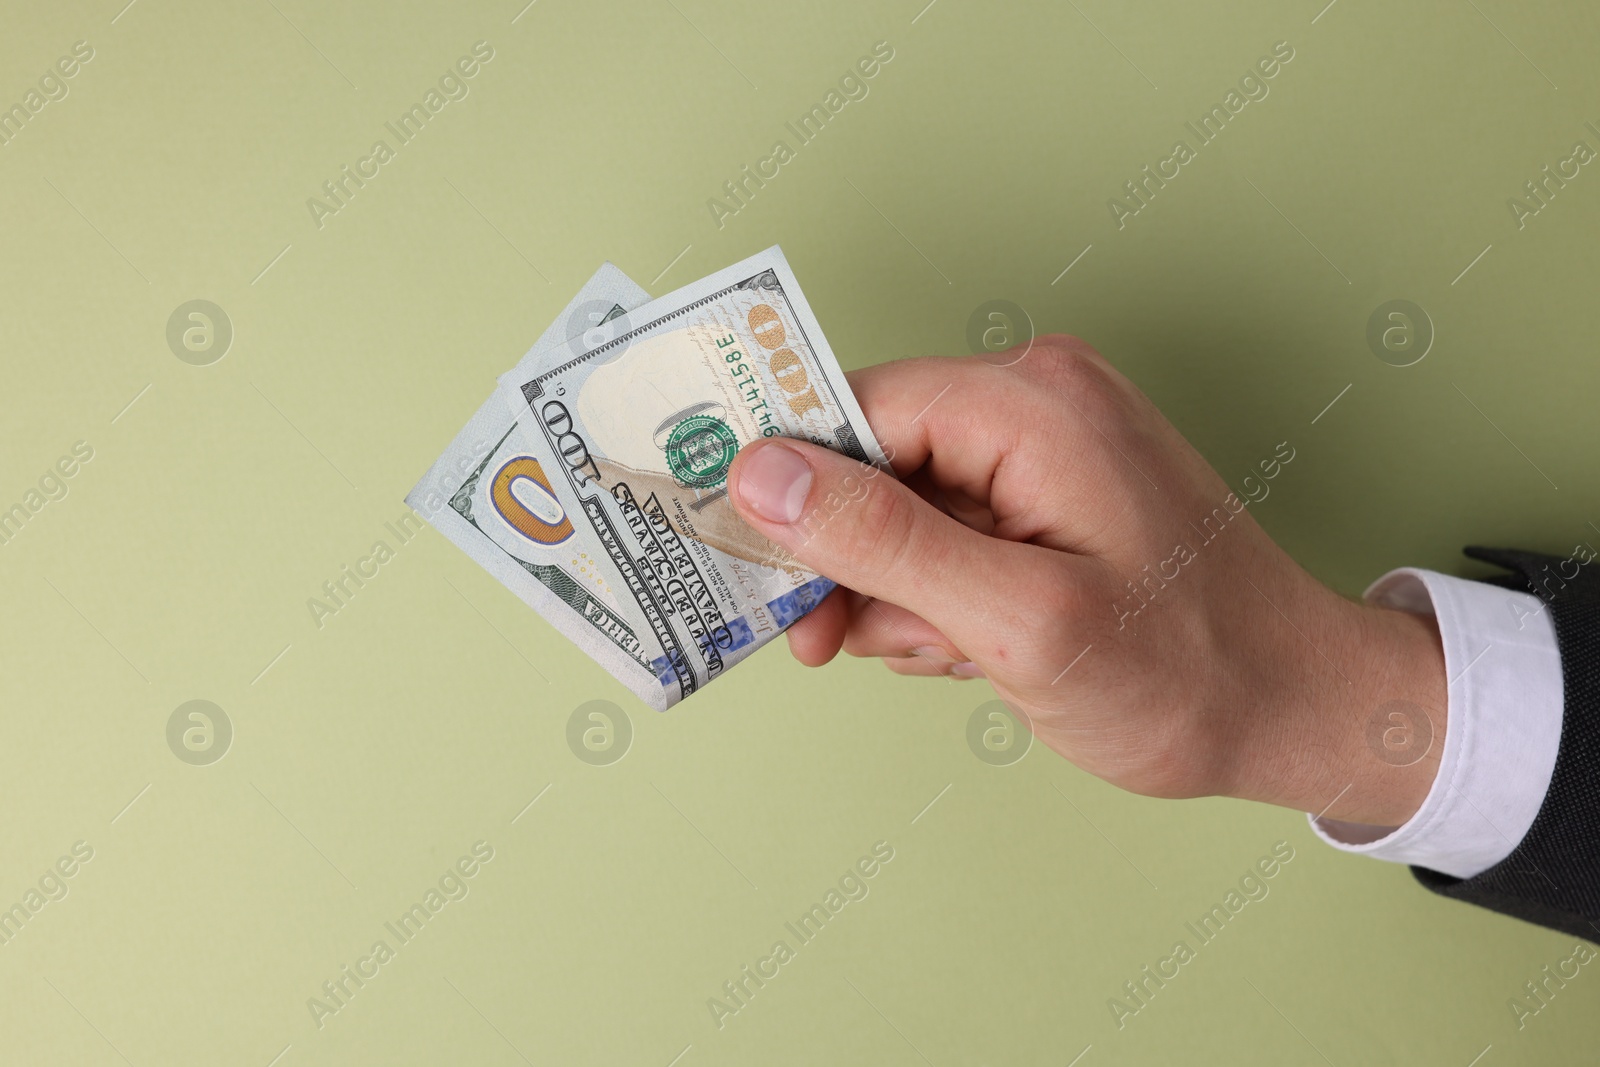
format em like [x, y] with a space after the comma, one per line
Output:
[865, 530]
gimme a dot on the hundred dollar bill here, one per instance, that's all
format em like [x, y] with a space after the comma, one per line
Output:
[631, 442]
[473, 495]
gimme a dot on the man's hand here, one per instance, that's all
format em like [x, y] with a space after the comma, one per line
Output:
[1054, 533]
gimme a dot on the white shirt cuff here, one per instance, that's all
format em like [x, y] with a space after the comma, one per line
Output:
[1505, 700]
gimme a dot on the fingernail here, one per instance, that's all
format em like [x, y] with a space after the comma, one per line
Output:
[774, 482]
[967, 670]
[933, 652]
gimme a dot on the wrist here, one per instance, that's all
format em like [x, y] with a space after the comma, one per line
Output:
[1360, 726]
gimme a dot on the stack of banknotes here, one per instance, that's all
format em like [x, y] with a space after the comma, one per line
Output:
[593, 485]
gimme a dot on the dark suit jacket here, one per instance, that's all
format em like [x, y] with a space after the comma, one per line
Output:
[1552, 877]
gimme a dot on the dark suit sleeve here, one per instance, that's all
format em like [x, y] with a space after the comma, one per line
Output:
[1552, 877]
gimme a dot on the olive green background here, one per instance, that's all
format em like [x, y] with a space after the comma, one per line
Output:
[370, 753]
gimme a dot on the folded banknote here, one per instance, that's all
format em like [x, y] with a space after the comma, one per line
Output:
[595, 486]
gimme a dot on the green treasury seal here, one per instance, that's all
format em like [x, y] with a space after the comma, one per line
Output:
[700, 450]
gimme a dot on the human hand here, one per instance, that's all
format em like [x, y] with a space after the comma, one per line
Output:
[1054, 533]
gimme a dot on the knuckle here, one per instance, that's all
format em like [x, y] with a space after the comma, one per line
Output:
[1066, 342]
[1070, 364]
[1069, 369]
